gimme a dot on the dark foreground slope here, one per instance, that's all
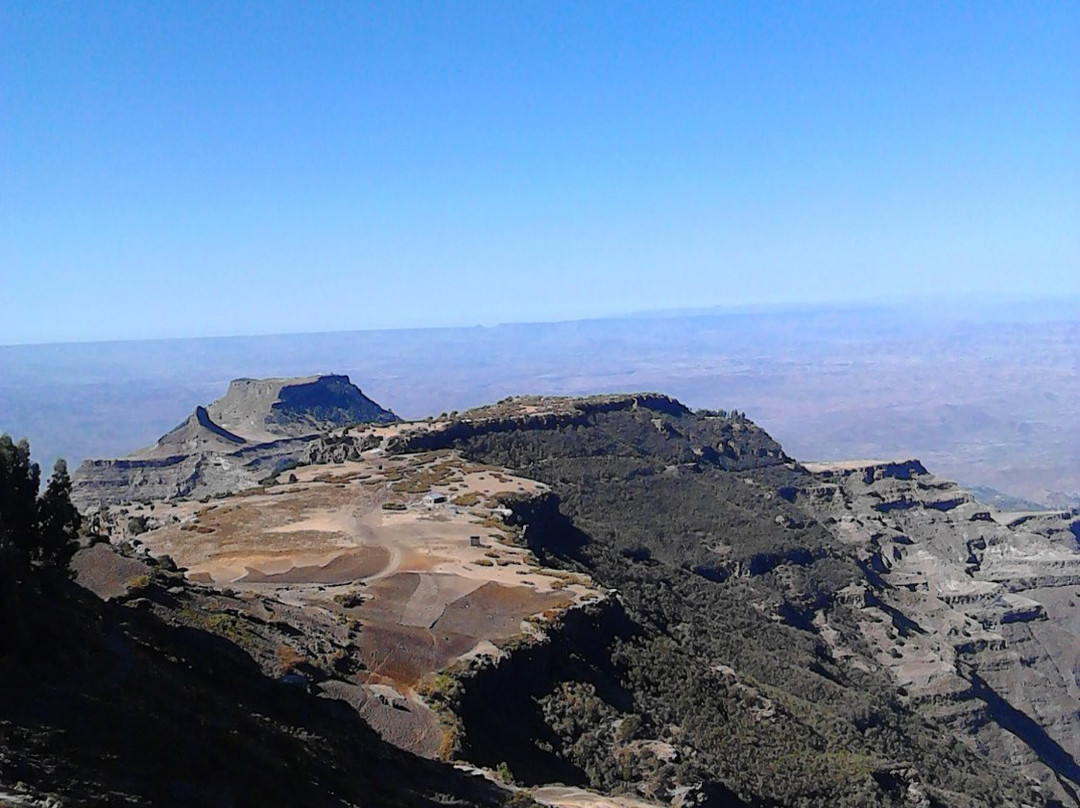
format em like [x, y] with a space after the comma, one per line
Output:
[103, 704]
[715, 684]
[106, 703]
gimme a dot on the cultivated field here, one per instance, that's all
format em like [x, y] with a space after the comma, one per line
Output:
[411, 549]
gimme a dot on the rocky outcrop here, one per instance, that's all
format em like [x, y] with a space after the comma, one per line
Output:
[258, 429]
[734, 443]
[339, 448]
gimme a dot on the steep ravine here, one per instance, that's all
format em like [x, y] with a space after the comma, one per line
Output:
[498, 704]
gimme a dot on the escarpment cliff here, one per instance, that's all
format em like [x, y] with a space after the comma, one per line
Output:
[259, 428]
[749, 637]
[976, 613]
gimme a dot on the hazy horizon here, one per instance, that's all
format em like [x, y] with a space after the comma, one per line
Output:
[1011, 308]
[857, 222]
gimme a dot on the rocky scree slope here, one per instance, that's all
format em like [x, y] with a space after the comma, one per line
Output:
[743, 667]
[260, 427]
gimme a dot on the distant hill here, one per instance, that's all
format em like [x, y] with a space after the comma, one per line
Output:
[1003, 501]
[266, 409]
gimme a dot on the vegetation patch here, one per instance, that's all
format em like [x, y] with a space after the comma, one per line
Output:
[646, 496]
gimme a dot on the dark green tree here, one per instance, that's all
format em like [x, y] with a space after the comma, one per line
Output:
[58, 520]
[36, 530]
[20, 479]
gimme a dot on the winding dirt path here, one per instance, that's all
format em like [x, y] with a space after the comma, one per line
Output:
[393, 563]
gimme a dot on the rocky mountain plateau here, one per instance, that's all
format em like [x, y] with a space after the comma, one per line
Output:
[605, 600]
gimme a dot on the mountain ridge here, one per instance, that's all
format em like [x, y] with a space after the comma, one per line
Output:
[823, 614]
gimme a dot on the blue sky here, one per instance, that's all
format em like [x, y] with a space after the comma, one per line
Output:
[175, 169]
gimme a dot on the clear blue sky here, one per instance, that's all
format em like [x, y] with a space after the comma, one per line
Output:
[171, 169]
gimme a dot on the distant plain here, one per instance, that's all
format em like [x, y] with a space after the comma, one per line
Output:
[985, 393]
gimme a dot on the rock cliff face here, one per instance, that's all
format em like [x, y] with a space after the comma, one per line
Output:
[259, 428]
[977, 614]
[266, 409]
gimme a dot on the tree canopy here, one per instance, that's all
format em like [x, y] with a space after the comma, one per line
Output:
[38, 529]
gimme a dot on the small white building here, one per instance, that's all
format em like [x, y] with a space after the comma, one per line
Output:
[434, 498]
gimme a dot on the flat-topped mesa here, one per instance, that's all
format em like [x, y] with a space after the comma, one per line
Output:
[267, 409]
[258, 428]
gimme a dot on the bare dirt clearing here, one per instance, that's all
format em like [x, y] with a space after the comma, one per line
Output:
[410, 548]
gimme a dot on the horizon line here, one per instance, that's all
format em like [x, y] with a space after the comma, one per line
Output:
[995, 299]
